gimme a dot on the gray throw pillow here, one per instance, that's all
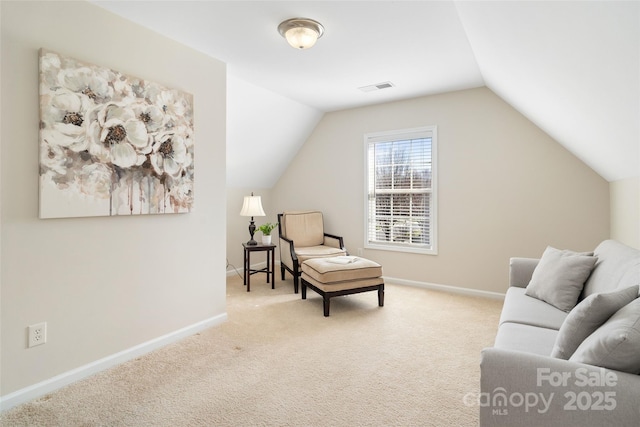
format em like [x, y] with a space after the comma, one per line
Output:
[588, 316]
[559, 277]
[615, 344]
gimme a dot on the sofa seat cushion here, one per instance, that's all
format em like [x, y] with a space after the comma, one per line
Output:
[323, 270]
[321, 251]
[526, 338]
[521, 308]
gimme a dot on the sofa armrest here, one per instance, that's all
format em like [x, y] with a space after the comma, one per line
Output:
[523, 389]
[333, 241]
[521, 270]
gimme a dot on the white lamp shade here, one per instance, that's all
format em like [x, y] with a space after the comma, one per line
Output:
[301, 37]
[252, 206]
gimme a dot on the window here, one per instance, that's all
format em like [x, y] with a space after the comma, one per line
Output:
[400, 199]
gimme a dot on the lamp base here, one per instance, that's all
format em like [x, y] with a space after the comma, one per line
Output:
[252, 231]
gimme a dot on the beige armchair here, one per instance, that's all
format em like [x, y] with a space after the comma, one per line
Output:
[302, 237]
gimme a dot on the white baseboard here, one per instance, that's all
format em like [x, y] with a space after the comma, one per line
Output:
[40, 389]
[445, 288]
[396, 281]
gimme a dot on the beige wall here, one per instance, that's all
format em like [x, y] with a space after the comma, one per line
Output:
[505, 187]
[625, 211]
[102, 284]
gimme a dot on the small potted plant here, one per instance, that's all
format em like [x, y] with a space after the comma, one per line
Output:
[266, 232]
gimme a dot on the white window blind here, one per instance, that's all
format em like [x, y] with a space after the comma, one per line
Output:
[400, 190]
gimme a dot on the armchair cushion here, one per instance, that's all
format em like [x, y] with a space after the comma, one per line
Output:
[304, 228]
[321, 251]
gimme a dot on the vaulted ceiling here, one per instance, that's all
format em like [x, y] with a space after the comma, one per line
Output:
[571, 67]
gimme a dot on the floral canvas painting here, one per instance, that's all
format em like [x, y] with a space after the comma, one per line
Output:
[111, 144]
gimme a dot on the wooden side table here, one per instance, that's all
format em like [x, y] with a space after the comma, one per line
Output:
[270, 270]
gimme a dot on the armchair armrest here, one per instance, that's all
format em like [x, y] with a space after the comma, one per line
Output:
[523, 389]
[287, 253]
[521, 270]
[333, 241]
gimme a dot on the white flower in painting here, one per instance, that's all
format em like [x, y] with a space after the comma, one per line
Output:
[150, 115]
[169, 154]
[119, 137]
[172, 103]
[53, 158]
[95, 179]
[92, 83]
[65, 122]
[187, 132]
[49, 62]
[181, 194]
[138, 87]
[122, 90]
[49, 68]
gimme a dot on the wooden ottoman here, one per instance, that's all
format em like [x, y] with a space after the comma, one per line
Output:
[342, 275]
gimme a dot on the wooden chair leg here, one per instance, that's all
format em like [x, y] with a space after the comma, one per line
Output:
[282, 272]
[303, 284]
[381, 295]
[326, 305]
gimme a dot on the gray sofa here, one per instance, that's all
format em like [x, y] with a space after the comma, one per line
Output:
[523, 385]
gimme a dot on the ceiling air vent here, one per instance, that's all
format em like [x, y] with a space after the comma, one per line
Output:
[377, 86]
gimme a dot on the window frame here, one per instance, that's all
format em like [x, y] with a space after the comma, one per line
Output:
[400, 135]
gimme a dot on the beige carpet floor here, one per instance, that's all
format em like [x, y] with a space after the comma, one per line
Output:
[279, 362]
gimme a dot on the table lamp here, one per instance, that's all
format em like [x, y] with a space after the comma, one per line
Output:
[252, 206]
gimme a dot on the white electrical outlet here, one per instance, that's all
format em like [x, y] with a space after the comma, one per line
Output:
[359, 251]
[37, 334]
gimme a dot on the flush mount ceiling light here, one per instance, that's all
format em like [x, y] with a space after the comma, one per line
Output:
[301, 33]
